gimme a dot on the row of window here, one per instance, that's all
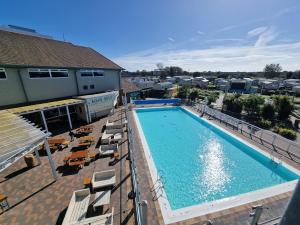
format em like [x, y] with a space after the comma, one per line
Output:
[55, 73]
[46, 73]
[91, 73]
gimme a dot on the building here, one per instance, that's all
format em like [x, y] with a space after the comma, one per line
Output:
[162, 86]
[290, 83]
[45, 78]
[241, 85]
[222, 84]
[200, 82]
[130, 90]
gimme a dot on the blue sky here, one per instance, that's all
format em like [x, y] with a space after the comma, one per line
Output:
[202, 35]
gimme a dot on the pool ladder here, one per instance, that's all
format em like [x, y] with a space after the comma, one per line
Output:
[157, 188]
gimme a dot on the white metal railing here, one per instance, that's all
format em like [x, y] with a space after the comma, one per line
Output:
[134, 178]
[265, 137]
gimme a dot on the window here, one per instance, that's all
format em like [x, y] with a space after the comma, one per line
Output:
[98, 74]
[86, 74]
[39, 73]
[2, 73]
[92, 86]
[59, 73]
[85, 87]
[47, 73]
[92, 73]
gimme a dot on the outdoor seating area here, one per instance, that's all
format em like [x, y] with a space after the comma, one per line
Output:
[78, 207]
[87, 191]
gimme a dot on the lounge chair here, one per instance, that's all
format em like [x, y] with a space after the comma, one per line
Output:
[108, 149]
[111, 136]
[106, 219]
[78, 206]
[104, 179]
[113, 125]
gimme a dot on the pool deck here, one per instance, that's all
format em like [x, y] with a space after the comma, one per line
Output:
[237, 215]
[35, 199]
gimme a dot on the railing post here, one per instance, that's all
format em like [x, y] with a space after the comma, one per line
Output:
[144, 209]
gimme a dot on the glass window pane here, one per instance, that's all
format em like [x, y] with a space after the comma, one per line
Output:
[39, 74]
[86, 74]
[2, 75]
[98, 74]
[59, 74]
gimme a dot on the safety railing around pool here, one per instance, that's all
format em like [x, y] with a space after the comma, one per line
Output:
[157, 101]
[135, 193]
[267, 138]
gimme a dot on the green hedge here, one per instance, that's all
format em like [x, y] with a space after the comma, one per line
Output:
[287, 133]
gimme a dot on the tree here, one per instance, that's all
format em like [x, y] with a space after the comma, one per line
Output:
[272, 70]
[183, 92]
[284, 107]
[193, 94]
[268, 111]
[233, 104]
[252, 104]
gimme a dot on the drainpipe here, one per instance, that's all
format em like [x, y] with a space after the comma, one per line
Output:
[22, 84]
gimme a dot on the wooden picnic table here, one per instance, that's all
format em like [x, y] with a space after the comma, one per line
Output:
[77, 163]
[79, 154]
[87, 139]
[84, 145]
[87, 126]
[57, 141]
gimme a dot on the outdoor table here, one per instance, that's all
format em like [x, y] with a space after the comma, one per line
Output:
[77, 163]
[84, 145]
[87, 139]
[102, 198]
[57, 141]
[87, 126]
[79, 154]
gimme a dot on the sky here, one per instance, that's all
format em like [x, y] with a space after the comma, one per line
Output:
[197, 35]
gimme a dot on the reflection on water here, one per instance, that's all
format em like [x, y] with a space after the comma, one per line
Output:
[214, 176]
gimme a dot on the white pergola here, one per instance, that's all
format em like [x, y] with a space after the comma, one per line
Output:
[19, 137]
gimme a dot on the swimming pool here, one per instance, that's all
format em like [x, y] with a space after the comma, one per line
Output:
[203, 165]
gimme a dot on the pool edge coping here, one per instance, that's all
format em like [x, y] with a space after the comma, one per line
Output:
[178, 215]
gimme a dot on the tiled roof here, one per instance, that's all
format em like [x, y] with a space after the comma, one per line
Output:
[30, 51]
[128, 86]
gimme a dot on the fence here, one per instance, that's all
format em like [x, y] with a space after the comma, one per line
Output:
[267, 138]
[157, 101]
[134, 179]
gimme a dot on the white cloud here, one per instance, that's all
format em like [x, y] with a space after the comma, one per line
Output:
[171, 39]
[265, 37]
[256, 31]
[200, 32]
[240, 58]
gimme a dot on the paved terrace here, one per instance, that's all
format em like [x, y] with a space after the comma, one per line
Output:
[35, 199]
[237, 216]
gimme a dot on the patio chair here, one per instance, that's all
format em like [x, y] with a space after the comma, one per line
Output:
[104, 179]
[106, 219]
[78, 206]
[108, 149]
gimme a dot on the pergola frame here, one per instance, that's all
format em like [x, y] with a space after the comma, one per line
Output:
[26, 138]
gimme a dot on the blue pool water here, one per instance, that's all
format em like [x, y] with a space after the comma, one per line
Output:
[200, 163]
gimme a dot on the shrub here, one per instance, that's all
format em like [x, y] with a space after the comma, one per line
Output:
[252, 104]
[233, 104]
[265, 124]
[268, 112]
[284, 107]
[194, 94]
[183, 92]
[286, 132]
